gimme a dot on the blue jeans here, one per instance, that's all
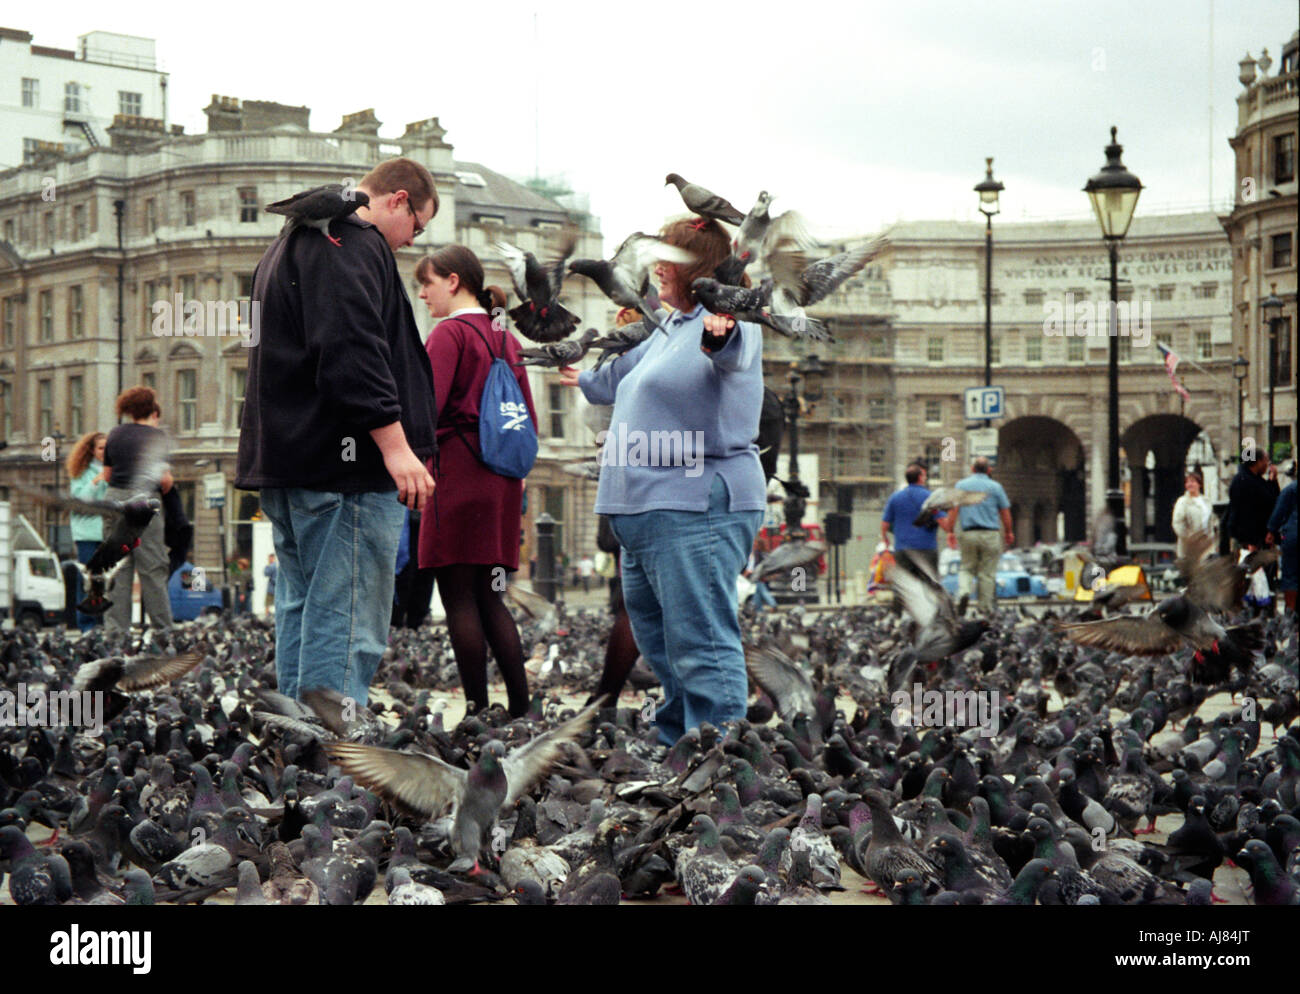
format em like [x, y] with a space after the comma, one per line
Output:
[85, 549]
[334, 587]
[679, 585]
[762, 596]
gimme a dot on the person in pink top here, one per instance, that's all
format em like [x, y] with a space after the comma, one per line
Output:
[470, 537]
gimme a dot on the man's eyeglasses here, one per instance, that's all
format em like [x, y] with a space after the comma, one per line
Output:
[417, 229]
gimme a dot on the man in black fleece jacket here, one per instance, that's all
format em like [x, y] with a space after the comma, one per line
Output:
[338, 414]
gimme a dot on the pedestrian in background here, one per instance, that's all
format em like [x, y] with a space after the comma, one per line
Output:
[85, 466]
[901, 510]
[1282, 531]
[1193, 513]
[126, 451]
[471, 540]
[980, 541]
[1252, 495]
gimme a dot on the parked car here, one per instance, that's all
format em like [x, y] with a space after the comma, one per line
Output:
[192, 593]
[1013, 580]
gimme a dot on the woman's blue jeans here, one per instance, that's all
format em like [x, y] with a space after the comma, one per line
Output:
[679, 585]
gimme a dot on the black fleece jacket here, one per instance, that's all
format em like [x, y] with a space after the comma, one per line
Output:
[337, 354]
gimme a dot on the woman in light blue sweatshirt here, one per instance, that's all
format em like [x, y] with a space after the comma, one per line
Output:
[683, 488]
[86, 471]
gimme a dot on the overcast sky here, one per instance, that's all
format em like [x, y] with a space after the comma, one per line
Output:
[860, 115]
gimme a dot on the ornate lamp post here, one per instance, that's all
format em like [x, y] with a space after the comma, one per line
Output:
[988, 189]
[809, 370]
[1114, 194]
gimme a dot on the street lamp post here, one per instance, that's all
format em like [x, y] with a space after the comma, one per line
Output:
[1240, 367]
[810, 370]
[988, 189]
[57, 437]
[1114, 194]
[1272, 307]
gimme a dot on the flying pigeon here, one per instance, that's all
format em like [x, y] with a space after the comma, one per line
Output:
[559, 354]
[426, 785]
[946, 499]
[625, 279]
[317, 207]
[621, 340]
[704, 202]
[939, 631]
[540, 317]
[801, 284]
[758, 234]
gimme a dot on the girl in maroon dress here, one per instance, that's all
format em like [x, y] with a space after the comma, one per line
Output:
[471, 537]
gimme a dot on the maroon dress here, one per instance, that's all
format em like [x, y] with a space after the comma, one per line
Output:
[478, 513]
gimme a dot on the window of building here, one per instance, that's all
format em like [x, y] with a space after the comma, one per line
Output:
[1281, 253]
[559, 406]
[933, 463]
[45, 408]
[76, 402]
[187, 208]
[1284, 352]
[934, 412]
[1125, 348]
[1033, 348]
[9, 322]
[76, 313]
[188, 284]
[131, 104]
[1124, 291]
[238, 386]
[6, 409]
[1165, 292]
[1078, 293]
[246, 508]
[72, 98]
[47, 228]
[46, 310]
[249, 209]
[877, 409]
[934, 349]
[1076, 350]
[876, 462]
[9, 230]
[1204, 349]
[244, 282]
[150, 216]
[878, 347]
[1284, 158]
[187, 402]
[149, 380]
[31, 92]
[1034, 298]
[1205, 291]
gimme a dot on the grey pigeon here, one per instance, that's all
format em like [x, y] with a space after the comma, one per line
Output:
[540, 317]
[704, 202]
[559, 354]
[317, 207]
[625, 279]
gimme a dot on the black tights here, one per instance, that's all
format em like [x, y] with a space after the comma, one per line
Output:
[620, 657]
[476, 619]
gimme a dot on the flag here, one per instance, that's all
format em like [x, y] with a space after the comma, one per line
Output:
[1171, 363]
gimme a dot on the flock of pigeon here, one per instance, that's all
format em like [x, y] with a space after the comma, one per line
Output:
[207, 784]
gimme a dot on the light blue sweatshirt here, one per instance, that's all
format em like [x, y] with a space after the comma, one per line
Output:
[681, 416]
[88, 527]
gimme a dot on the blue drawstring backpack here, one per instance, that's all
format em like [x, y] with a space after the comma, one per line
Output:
[507, 438]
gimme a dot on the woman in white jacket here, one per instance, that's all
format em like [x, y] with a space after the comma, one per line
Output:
[1193, 513]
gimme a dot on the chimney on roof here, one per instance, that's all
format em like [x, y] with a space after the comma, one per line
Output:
[362, 122]
[224, 114]
[260, 115]
[129, 131]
